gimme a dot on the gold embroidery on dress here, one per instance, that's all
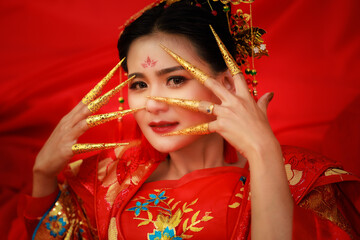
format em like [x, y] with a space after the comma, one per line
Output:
[75, 166]
[239, 195]
[335, 171]
[112, 231]
[293, 176]
[66, 220]
[322, 200]
[167, 223]
[107, 174]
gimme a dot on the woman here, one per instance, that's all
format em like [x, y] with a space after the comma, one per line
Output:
[180, 184]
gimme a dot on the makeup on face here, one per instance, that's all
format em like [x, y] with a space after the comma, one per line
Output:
[149, 63]
[158, 74]
[162, 127]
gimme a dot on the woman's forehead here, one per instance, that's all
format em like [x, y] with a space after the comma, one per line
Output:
[147, 51]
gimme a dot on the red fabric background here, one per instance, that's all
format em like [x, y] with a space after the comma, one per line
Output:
[53, 52]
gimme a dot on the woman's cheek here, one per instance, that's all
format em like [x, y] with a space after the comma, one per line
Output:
[136, 101]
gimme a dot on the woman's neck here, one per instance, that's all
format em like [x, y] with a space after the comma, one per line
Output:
[206, 152]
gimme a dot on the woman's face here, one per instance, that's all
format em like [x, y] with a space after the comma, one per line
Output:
[158, 74]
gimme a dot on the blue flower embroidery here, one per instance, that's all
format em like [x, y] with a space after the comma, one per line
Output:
[56, 226]
[139, 207]
[157, 198]
[168, 234]
[243, 179]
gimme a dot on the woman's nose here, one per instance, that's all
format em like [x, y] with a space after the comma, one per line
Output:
[156, 107]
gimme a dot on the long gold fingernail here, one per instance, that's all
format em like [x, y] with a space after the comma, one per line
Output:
[96, 120]
[197, 73]
[201, 129]
[192, 105]
[96, 91]
[89, 147]
[229, 60]
[95, 105]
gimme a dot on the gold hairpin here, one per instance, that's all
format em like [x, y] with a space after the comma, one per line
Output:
[197, 73]
[192, 105]
[201, 129]
[229, 60]
[95, 105]
[96, 120]
[96, 91]
[89, 147]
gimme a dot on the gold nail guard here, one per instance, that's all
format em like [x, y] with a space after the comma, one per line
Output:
[96, 120]
[89, 147]
[95, 105]
[201, 129]
[192, 105]
[197, 73]
[229, 60]
[96, 91]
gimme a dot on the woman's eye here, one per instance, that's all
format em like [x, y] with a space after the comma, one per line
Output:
[175, 81]
[138, 85]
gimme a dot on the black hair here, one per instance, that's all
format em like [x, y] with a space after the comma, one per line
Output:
[186, 18]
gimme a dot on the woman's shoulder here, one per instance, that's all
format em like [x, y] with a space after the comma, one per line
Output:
[305, 158]
[306, 170]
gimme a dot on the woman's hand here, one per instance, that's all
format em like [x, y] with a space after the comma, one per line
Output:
[240, 120]
[244, 124]
[59, 148]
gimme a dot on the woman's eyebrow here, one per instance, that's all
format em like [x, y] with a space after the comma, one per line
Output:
[136, 74]
[169, 70]
[159, 73]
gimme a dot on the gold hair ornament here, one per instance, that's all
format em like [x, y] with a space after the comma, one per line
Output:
[96, 120]
[96, 91]
[201, 129]
[249, 45]
[89, 147]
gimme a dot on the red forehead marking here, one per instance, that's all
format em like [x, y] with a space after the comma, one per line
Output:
[149, 63]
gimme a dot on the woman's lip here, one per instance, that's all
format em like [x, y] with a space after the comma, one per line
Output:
[163, 126]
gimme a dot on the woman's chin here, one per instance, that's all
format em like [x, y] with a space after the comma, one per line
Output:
[168, 144]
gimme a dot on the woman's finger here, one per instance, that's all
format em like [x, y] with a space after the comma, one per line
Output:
[79, 148]
[96, 120]
[220, 91]
[78, 129]
[79, 113]
[96, 91]
[95, 105]
[201, 129]
[264, 101]
[192, 105]
[229, 60]
[241, 87]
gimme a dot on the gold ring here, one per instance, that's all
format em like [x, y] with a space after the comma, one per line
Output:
[209, 109]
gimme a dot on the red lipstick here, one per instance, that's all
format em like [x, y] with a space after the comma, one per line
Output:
[163, 126]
